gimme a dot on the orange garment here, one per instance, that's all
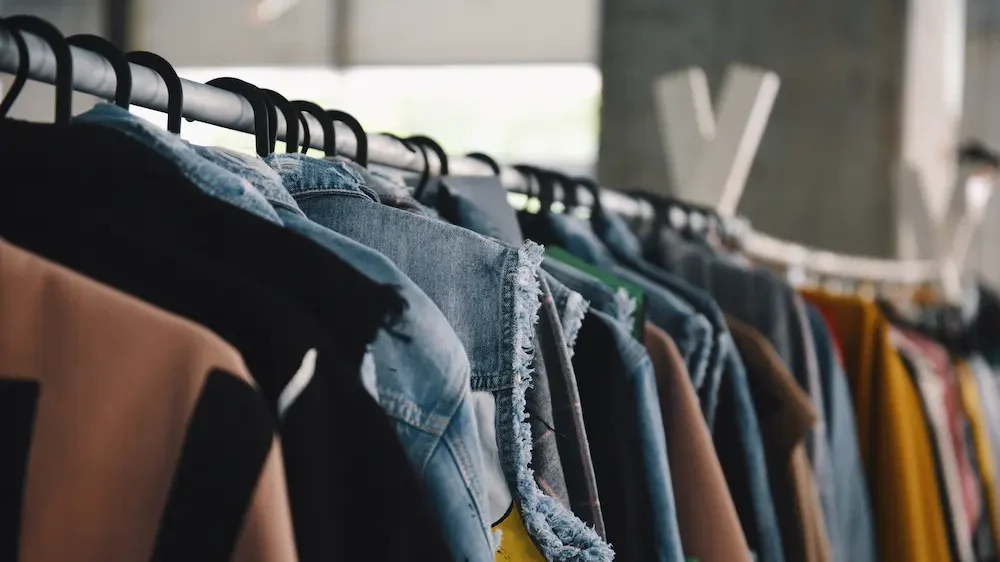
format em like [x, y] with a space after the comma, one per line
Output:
[981, 440]
[892, 432]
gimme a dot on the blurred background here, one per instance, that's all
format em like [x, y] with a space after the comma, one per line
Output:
[875, 95]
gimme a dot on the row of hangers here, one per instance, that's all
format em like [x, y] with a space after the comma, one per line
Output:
[547, 186]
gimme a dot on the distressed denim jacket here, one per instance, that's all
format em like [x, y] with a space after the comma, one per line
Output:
[489, 293]
[421, 376]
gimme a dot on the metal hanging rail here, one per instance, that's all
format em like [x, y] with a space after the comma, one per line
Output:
[94, 75]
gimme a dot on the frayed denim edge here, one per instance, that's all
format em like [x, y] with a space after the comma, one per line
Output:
[576, 309]
[627, 308]
[561, 536]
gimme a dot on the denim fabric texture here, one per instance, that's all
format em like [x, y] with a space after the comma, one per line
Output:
[627, 449]
[595, 291]
[433, 418]
[421, 371]
[654, 444]
[546, 463]
[571, 308]
[560, 325]
[638, 371]
[490, 295]
[391, 190]
[849, 518]
[690, 331]
[211, 178]
[626, 247]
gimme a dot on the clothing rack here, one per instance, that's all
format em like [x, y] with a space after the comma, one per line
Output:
[94, 75]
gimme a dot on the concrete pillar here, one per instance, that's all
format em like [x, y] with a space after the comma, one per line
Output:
[829, 160]
[981, 119]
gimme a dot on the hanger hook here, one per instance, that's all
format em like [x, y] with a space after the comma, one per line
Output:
[291, 116]
[64, 61]
[529, 174]
[21, 76]
[105, 48]
[425, 170]
[360, 138]
[421, 140]
[595, 192]
[568, 186]
[258, 101]
[545, 180]
[486, 159]
[175, 91]
[325, 121]
[306, 141]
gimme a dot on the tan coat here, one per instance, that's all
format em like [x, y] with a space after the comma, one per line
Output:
[709, 525]
[107, 388]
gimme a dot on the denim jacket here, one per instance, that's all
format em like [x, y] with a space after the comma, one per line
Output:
[735, 428]
[421, 373]
[489, 293]
[690, 330]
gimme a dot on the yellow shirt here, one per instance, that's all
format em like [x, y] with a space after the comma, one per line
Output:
[892, 433]
[515, 543]
[981, 440]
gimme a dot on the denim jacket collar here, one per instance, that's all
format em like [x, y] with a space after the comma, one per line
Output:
[304, 176]
[211, 178]
[256, 170]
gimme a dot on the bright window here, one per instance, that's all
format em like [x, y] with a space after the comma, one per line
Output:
[538, 113]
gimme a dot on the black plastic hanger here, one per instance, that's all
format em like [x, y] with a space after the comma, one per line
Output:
[423, 142]
[360, 138]
[21, 76]
[329, 131]
[123, 72]
[64, 61]
[175, 91]
[594, 190]
[486, 159]
[306, 141]
[292, 117]
[537, 226]
[258, 101]
[545, 181]
[425, 172]
[568, 186]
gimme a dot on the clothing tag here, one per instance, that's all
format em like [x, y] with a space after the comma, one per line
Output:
[634, 293]
[298, 382]
[479, 203]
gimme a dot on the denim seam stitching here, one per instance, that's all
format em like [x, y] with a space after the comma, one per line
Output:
[310, 193]
[408, 411]
[471, 480]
